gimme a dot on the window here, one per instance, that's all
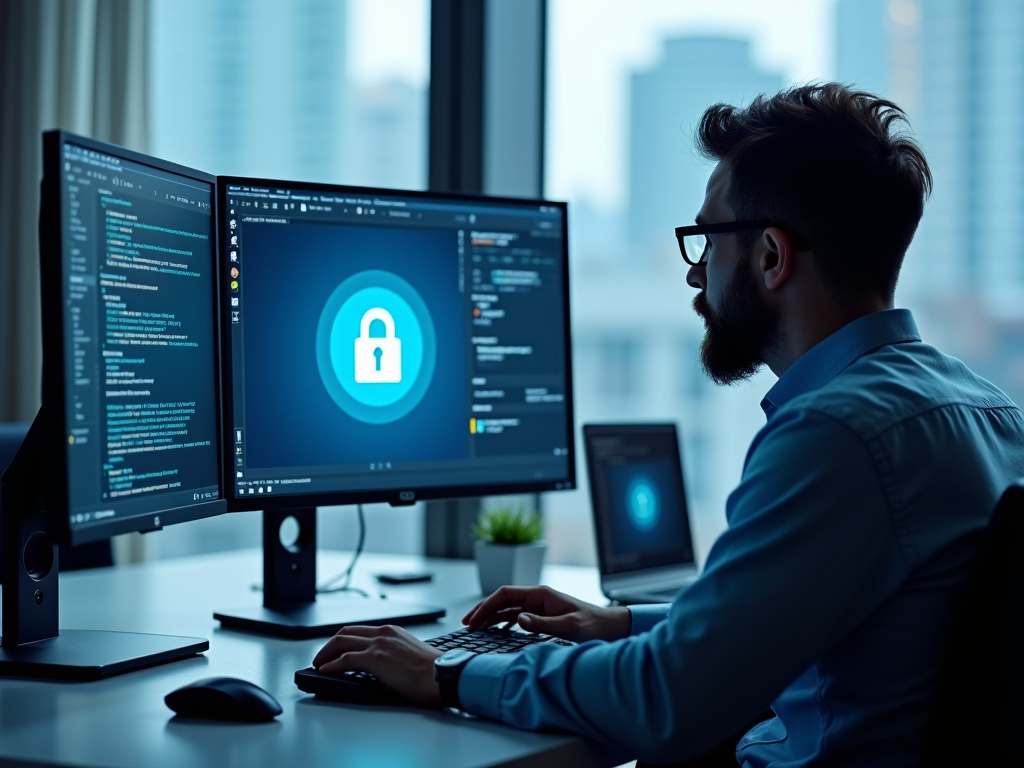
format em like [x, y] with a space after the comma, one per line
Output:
[313, 90]
[626, 84]
[618, 368]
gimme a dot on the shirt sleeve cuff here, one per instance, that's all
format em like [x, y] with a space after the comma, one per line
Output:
[480, 684]
[646, 616]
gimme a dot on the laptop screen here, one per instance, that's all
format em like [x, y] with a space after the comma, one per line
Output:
[636, 487]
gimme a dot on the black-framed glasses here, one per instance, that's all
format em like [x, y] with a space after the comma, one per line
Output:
[693, 241]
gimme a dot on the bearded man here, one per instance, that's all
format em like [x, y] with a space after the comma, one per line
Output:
[816, 631]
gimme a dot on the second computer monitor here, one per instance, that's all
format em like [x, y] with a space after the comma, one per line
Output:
[393, 346]
[131, 388]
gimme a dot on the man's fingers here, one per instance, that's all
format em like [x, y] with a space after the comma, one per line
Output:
[338, 645]
[553, 625]
[474, 609]
[488, 605]
[355, 637]
[506, 614]
[503, 598]
[548, 602]
[363, 630]
[539, 600]
[354, 660]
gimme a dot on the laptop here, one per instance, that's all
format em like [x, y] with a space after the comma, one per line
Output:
[644, 545]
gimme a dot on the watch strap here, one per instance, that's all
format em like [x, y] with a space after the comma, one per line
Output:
[447, 676]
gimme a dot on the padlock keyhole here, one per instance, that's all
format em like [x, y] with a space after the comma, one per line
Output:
[378, 353]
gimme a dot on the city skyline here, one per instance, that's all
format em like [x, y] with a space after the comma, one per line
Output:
[666, 176]
[628, 189]
[631, 312]
[957, 68]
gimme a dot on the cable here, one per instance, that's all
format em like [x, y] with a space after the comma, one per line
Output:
[346, 576]
[328, 586]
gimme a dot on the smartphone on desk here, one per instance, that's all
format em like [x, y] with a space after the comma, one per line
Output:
[406, 577]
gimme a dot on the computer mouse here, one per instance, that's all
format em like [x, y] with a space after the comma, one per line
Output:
[224, 698]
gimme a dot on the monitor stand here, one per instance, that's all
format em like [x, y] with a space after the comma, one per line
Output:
[31, 645]
[290, 608]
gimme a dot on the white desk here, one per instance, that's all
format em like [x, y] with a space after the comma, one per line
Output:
[122, 721]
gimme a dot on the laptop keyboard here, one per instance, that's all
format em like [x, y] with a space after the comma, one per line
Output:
[364, 688]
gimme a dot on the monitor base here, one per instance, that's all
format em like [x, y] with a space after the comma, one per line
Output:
[85, 654]
[323, 619]
[31, 644]
[290, 608]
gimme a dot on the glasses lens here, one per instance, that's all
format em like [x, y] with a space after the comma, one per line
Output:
[694, 247]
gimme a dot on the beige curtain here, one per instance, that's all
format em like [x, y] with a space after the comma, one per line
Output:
[81, 65]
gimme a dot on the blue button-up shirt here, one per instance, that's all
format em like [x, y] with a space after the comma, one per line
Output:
[829, 594]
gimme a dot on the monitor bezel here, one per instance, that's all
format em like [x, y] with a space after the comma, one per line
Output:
[393, 496]
[51, 263]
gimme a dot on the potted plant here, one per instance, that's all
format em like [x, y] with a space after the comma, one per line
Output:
[509, 549]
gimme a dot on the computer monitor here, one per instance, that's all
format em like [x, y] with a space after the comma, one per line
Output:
[392, 346]
[388, 346]
[129, 434]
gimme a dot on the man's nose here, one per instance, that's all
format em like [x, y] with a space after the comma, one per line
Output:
[697, 277]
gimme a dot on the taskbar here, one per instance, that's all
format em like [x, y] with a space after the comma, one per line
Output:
[387, 476]
[136, 502]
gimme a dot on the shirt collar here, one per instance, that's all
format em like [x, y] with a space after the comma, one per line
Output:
[829, 357]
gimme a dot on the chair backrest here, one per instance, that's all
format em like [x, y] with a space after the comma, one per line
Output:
[978, 714]
[95, 554]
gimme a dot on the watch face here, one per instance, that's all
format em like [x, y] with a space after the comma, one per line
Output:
[454, 657]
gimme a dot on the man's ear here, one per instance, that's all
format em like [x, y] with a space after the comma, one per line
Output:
[776, 258]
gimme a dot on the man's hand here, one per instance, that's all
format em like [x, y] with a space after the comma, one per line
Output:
[542, 609]
[400, 661]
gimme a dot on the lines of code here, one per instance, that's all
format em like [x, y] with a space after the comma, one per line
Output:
[141, 259]
[141, 341]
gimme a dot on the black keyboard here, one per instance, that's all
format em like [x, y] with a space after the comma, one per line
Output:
[364, 688]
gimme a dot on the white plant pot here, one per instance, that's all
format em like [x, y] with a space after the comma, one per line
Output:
[515, 564]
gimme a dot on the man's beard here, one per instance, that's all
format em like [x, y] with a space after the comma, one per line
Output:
[739, 335]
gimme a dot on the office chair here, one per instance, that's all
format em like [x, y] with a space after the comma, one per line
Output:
[92, 555]
[978, 714]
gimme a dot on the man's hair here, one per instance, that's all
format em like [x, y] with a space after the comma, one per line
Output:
[835, 168]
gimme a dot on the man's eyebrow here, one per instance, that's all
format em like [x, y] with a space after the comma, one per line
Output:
[699, 218]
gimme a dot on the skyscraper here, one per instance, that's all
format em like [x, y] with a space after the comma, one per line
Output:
[251, 88]
[260, 88]
[635, 337]
[957, 66]
[666, 177]
[386, 143]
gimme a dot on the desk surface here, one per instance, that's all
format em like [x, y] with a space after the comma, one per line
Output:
[122, 721]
